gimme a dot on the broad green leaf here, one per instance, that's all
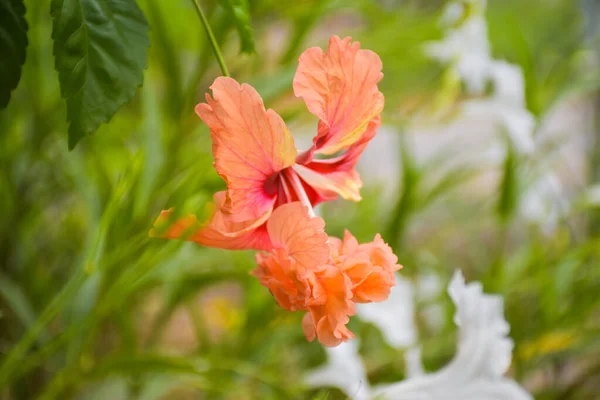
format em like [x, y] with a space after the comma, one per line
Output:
[240, 12]
[13, 43]
[100, 53]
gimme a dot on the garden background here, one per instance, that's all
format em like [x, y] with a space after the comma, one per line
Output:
[487, 161]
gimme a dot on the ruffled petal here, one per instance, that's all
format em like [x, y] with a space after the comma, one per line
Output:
[277, 272]
[340, 88]
[370, 267]
[330, 308]
[302, 237]
[375, 287]
[250, 146]
[381, 254]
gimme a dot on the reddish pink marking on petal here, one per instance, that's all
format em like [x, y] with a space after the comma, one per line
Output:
[337, 176]
[347, 184]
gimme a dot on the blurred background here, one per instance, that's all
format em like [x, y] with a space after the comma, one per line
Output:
[488, 161]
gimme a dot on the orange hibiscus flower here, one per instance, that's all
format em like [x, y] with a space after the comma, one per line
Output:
[254, 151]
[271, 189]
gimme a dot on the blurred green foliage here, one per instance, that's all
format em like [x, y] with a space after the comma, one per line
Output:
[92, 308]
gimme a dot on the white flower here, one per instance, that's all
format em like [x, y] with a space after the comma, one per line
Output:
[517, 122]
[509, 83]
[395, 316]
[469, 49]
[343, 370]
[428, 288]
[476, 372]
[412, 360]
[506, 106]
[483, 356]
[544, 202]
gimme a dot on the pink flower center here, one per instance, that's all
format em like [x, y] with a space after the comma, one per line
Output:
[288, 187]
[271, 185]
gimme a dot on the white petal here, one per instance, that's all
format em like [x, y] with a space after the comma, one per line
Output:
[414, 366]
[517, 122]
[483, 356]
[544, 202]
[468, 47]
[344, 370]
[509, 84]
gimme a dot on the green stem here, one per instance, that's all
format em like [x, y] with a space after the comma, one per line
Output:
[211, 38]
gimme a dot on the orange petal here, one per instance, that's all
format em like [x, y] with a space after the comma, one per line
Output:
[375, 287]
[175, 230]
[277, 272]
[220, 231]
[256, 239]
[250, 145]
[330, 309]
[381, 254]
[346, 184]
[340, 88]
[337, 176]
[300, 249]
[291, 228]
[308, 327]
[370, 267]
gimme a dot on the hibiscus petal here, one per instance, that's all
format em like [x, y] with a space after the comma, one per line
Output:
[340, 88]
[337, 176]
[370, 267]
[330, 310]
[256, 239]
[250, 145]
[220, 231]
[347, 184]
[277, 272]
[291, 228]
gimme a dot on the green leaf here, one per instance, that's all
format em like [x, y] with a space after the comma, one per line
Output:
[240, 12]
[13, 43]
[148, 363]
[100, 53]
[14, 298]
[508, 200]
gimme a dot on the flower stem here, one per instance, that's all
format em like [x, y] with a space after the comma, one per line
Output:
[211, 38]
